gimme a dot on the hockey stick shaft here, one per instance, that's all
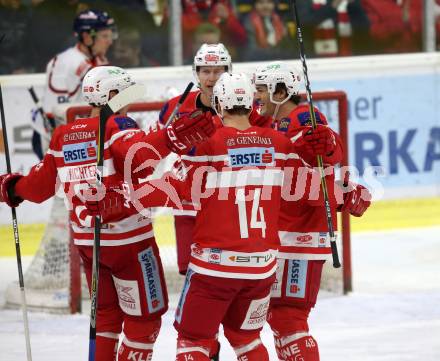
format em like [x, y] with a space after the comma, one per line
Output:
[16, 238]
[179, 103]
[328, 213]
[48, 125]
[124, 98]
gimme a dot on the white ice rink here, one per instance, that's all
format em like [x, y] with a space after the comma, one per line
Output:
[392, 315]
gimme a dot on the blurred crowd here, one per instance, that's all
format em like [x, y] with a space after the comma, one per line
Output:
[33, 31]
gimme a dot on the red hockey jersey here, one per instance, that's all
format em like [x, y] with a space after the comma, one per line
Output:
[303, 231]
[70, 166]
[235, 179]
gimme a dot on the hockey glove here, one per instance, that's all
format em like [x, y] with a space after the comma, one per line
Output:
[189, 130]
[319, 141]
[258, 120]
[111, 206]
[356, 199]
[7, 185]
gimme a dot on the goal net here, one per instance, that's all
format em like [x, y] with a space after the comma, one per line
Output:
[54, 280]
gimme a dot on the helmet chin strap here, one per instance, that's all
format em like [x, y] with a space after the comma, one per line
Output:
[278, 104]
[216, 111]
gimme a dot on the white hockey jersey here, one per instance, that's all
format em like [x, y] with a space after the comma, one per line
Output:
[64, 75]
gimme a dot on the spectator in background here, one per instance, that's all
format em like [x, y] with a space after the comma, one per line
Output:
[333, 27]
[396, 25]
[205, 33]
[17, 50]
[51, 27]
[133, 17]
[267, 35]
[218, 13]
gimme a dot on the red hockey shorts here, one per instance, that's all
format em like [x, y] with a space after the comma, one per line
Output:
[297, 283]
[131, 283]
[184, 226]
[206, 302]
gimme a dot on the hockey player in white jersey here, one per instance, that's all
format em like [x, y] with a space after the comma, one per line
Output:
[95, 31]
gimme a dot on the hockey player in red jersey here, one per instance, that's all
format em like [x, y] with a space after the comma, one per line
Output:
[235, 183]
[210, 61]
[303, 231]
[132, 291]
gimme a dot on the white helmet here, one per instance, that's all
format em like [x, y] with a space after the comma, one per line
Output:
[99, 81]
[278, 72]
[212, 55]
[233, 90]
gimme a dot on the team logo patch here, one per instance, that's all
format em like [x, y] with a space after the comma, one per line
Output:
[255, 156]
[128, 295]
[296, 278]
[126, 123]
[215, 255]
[79, 152]
[153, 286]
[256, 314]
[178, 315]
[304, 118]
[284, 124]
[322, 241]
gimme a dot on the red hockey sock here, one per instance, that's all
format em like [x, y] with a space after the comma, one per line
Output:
[194, 350]
[138, 351]
[297, 346]
[254, 351]
[106, 346]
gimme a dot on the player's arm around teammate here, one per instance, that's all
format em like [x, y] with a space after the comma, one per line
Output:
[304, 242]
[132, 291]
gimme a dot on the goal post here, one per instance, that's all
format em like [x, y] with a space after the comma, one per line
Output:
[62, 285]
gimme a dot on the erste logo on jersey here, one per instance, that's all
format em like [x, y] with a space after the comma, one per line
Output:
[79, 152]
[252, 156]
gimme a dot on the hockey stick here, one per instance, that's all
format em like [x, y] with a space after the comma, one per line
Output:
[179, 103]
[335, 256]
[125, 97]
[16, 237]
[49, 124]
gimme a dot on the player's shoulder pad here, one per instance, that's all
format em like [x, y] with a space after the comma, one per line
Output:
[124, 122]
[302, 115]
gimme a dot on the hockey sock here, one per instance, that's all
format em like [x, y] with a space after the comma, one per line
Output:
[135, 351]
[297, 346]
[254, 351]
[194, 350]
[106, 346]
[215, 352]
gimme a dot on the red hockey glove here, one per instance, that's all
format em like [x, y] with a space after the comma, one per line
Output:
[356, 201]
[7, 184]
[189, 130]
[320, 141]
[110, 206]
[260, 120]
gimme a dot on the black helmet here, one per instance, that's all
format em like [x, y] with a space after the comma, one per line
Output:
[92, 20]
